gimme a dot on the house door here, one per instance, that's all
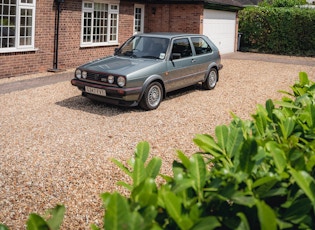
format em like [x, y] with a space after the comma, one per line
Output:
[138, 19]
[220, 26]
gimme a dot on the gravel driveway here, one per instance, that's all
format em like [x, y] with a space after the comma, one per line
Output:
[56, 146]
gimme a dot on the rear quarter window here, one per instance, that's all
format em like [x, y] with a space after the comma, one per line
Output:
[201, 46]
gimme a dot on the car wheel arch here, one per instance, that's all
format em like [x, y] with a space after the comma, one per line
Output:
[148, 81]
[212, 65]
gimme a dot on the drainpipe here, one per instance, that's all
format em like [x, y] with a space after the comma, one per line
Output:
[56, 37]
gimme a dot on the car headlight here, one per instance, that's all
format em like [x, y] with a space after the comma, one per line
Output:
[84, 74]
[78, 73]
[111, 79]
[121, 81]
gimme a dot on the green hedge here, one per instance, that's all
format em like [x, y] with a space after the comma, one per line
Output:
[288, 31]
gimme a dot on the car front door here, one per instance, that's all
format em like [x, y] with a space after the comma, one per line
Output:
[180, 65]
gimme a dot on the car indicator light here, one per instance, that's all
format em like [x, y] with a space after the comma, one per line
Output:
[84, 74]
[111, 79]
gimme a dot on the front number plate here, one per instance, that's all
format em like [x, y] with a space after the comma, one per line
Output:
[96, 91]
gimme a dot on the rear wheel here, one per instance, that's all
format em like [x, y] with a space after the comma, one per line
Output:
[152, 96]
[211, 80]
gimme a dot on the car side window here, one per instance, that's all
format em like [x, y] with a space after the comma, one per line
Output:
[201, 46]
[181, 48]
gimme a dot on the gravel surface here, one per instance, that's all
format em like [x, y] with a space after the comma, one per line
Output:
[56, 146]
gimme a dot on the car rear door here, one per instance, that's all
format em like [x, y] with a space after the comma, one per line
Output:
[203, 57]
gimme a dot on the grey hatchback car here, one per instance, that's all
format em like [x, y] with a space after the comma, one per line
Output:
[148, 66]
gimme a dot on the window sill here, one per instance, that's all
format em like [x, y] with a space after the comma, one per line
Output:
[5, 50]
[99, 45]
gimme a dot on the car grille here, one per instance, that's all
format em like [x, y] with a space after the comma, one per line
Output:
[95, 76]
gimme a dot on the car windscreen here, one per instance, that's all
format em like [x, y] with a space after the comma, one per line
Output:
[144, 47]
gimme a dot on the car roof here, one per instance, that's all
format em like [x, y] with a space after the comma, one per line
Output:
[166, 34]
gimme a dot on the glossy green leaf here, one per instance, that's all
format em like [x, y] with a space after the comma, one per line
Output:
[183, 185]
[172, 204]
[235, 141]
[136, 222]
[304, 78]
[287, 127]
[124, 184]
[36, 222]
[297, 211]
[94, 227]
[208, 144]
[243, 199]
[117, 214]
[153, 167]
[198, 172]
[244, 225]
[286, 105]
[222, 134]
[139, 172]
[269, 108]
[207, 223]
[184, 159]
[56, 217]
[146, 193]
[306, 183]
[3, 227]
[142, 151]
[267, 217]
[122, 167]
[264, 184]
[278, 155]
[249, 150]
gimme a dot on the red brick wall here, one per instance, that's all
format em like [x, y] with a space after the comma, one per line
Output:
[174, 18]
[168, 17]
[70, 54]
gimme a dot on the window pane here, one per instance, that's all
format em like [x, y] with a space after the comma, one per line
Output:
[87, 26]
[113, 27]
[7, 23]
[201, 46]
[182, 47]
[26, 27]
[27, 1]
[100, 22]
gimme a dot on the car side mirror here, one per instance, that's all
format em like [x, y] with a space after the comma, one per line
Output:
[116, 50]
[175, 56]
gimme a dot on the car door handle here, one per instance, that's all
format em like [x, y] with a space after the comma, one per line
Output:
[193, 60]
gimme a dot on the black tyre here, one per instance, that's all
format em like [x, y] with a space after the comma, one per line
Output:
[211, 80]
[152, 96]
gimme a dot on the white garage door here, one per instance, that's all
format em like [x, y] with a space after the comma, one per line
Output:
[219, 26]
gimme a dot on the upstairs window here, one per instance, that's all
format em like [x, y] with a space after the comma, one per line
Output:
[17, 25]
[99, 23]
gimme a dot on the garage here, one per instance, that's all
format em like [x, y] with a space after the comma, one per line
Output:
[220, 27]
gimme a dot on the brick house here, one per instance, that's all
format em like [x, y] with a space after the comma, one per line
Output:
[51, 35]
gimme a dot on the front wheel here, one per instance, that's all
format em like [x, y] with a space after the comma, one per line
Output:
[211, 80]
[152, 96]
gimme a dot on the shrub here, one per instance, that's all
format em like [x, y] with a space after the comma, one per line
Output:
[261, 175]
[289, 31]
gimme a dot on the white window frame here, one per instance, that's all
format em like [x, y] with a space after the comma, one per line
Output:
[113, 9]
[138, 6]
[17, 47]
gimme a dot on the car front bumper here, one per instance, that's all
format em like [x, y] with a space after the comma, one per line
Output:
[117, 96]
